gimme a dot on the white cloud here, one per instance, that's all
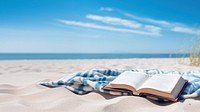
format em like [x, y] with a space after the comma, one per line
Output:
[110, 28]
[137, 25]
[115, 21]
[106, 9]
[150, 20]
[152, 28]
[172, 26]
[185, 30]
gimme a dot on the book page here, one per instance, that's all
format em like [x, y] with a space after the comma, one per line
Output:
[164, 82]
[134, 79]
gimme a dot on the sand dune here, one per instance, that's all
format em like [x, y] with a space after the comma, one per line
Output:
[20, 92]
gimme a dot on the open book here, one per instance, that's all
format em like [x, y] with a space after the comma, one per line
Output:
[166, 86]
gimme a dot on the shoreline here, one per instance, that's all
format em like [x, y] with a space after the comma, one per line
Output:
[88, 59]
[74, 56]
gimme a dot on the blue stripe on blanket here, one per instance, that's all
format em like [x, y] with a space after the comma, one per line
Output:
[88, 81]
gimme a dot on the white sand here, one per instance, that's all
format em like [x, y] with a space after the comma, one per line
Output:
[19, 91]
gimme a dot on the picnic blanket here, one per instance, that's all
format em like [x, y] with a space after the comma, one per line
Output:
[94, 80]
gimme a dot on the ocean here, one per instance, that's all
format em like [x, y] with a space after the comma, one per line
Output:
[63, 56]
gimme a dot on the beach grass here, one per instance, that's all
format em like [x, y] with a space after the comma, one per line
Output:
[195, 53]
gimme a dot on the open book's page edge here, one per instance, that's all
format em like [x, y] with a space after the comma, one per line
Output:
[121, 88]
[117, 90]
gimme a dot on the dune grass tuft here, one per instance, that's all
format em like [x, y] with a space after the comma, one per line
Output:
[195, 53]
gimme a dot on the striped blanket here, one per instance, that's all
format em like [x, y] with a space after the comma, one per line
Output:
[94, 80]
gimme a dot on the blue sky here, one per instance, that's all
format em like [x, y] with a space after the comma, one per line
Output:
[98, 26]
